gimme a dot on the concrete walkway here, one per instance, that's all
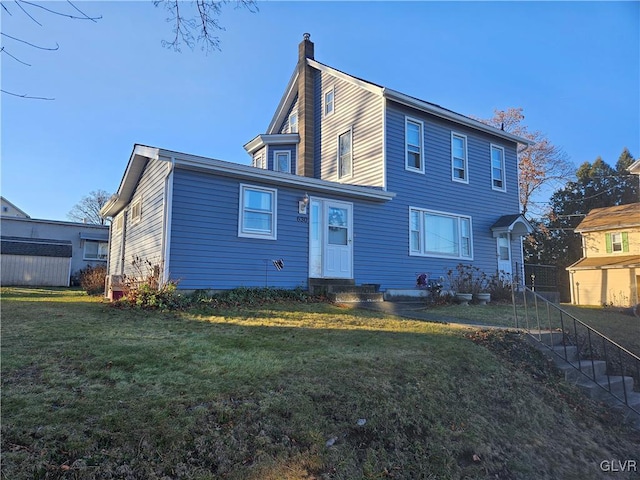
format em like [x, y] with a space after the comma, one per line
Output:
[417, 311]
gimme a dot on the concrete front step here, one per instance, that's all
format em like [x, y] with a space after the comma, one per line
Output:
[551, 338]
[598, 389]
[575, 370]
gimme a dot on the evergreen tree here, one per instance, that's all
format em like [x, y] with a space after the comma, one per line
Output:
[597, 185]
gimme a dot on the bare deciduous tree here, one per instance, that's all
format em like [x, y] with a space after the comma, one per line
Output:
[197, 22]
[540, 165]
[87, 210]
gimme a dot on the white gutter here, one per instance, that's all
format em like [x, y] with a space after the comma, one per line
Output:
[279, 178]
[452, 116]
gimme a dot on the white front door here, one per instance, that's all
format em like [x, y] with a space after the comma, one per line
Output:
[331, 239]
[503, 243]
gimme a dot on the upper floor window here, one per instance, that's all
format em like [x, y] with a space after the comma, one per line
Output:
[437, 234]
[293, 122]
[459, 167]
[329, 102]
[258, 160]
[617, 242]
[117, 224]
[257, 216]
[95, 250]
[497, 168]
[282, 161]
[136, 211]
[345, 155]
[413, 140]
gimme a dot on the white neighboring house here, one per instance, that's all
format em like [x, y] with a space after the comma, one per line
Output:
[48, 252]
[10, 210]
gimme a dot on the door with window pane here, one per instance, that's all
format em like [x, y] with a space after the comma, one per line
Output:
[338, 241]
[504, 253]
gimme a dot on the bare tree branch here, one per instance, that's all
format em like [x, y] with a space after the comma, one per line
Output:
[24, 95]
[4, 50]
[30, 44]
[87, 210]
[198, 27]
[84, 17]
[94, 20]
[27, 13]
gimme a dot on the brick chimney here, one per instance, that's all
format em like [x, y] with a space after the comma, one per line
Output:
[305, 107]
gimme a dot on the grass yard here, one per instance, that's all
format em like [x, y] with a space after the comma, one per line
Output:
[286, 391]
[621, 327]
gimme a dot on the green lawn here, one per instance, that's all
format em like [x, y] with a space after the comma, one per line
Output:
[621, 327]
[287, 391]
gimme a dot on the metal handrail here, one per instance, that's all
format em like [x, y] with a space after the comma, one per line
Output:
[574, 337]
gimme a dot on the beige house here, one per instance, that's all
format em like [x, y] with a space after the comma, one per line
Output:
[609, 271]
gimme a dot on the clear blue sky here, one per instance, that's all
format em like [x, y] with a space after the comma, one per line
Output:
[573, 67]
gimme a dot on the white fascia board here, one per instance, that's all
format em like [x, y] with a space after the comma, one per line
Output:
[247, 172]
[275, 139]
[285, 102]
[346, 77]
[452, 116]
[635, 168]
[140, 155]
[608, 228]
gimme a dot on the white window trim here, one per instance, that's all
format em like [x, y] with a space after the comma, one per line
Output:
[504, 173]
[614, 242]
[273, 235]
[275, 163]
[135, 218]
[406, 145]
[96, 259]
[259, 160]
[465, 159]
[350, 175]
[422, 253]
[118, 223]
[331, 90]
[294, 112]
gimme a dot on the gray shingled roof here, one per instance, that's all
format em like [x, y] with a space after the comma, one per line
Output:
[39, 247]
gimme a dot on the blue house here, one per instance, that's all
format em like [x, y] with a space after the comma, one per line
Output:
[351, 180]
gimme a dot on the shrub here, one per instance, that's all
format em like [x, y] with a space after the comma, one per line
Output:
[92, 279]
[500, 287]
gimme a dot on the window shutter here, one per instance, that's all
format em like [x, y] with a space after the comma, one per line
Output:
[607, 238]
[625, 242]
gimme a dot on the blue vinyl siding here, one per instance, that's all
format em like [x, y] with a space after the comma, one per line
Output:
[143, 239]
[357, 109]
[435, 190]
[206, 252]
[292, 149]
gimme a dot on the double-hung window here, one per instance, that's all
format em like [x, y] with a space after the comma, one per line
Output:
[257, 217]
[293, 122]
[258, 160]
[439, 234]
[497, 168]
[282, 161]
[617, 242]
[329, 102]
[459, 167]
[345, 155]
[95, 250]
[413, 139]
[136, 211]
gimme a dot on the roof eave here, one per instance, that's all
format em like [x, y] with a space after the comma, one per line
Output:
[452, 116]
[137, 161]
